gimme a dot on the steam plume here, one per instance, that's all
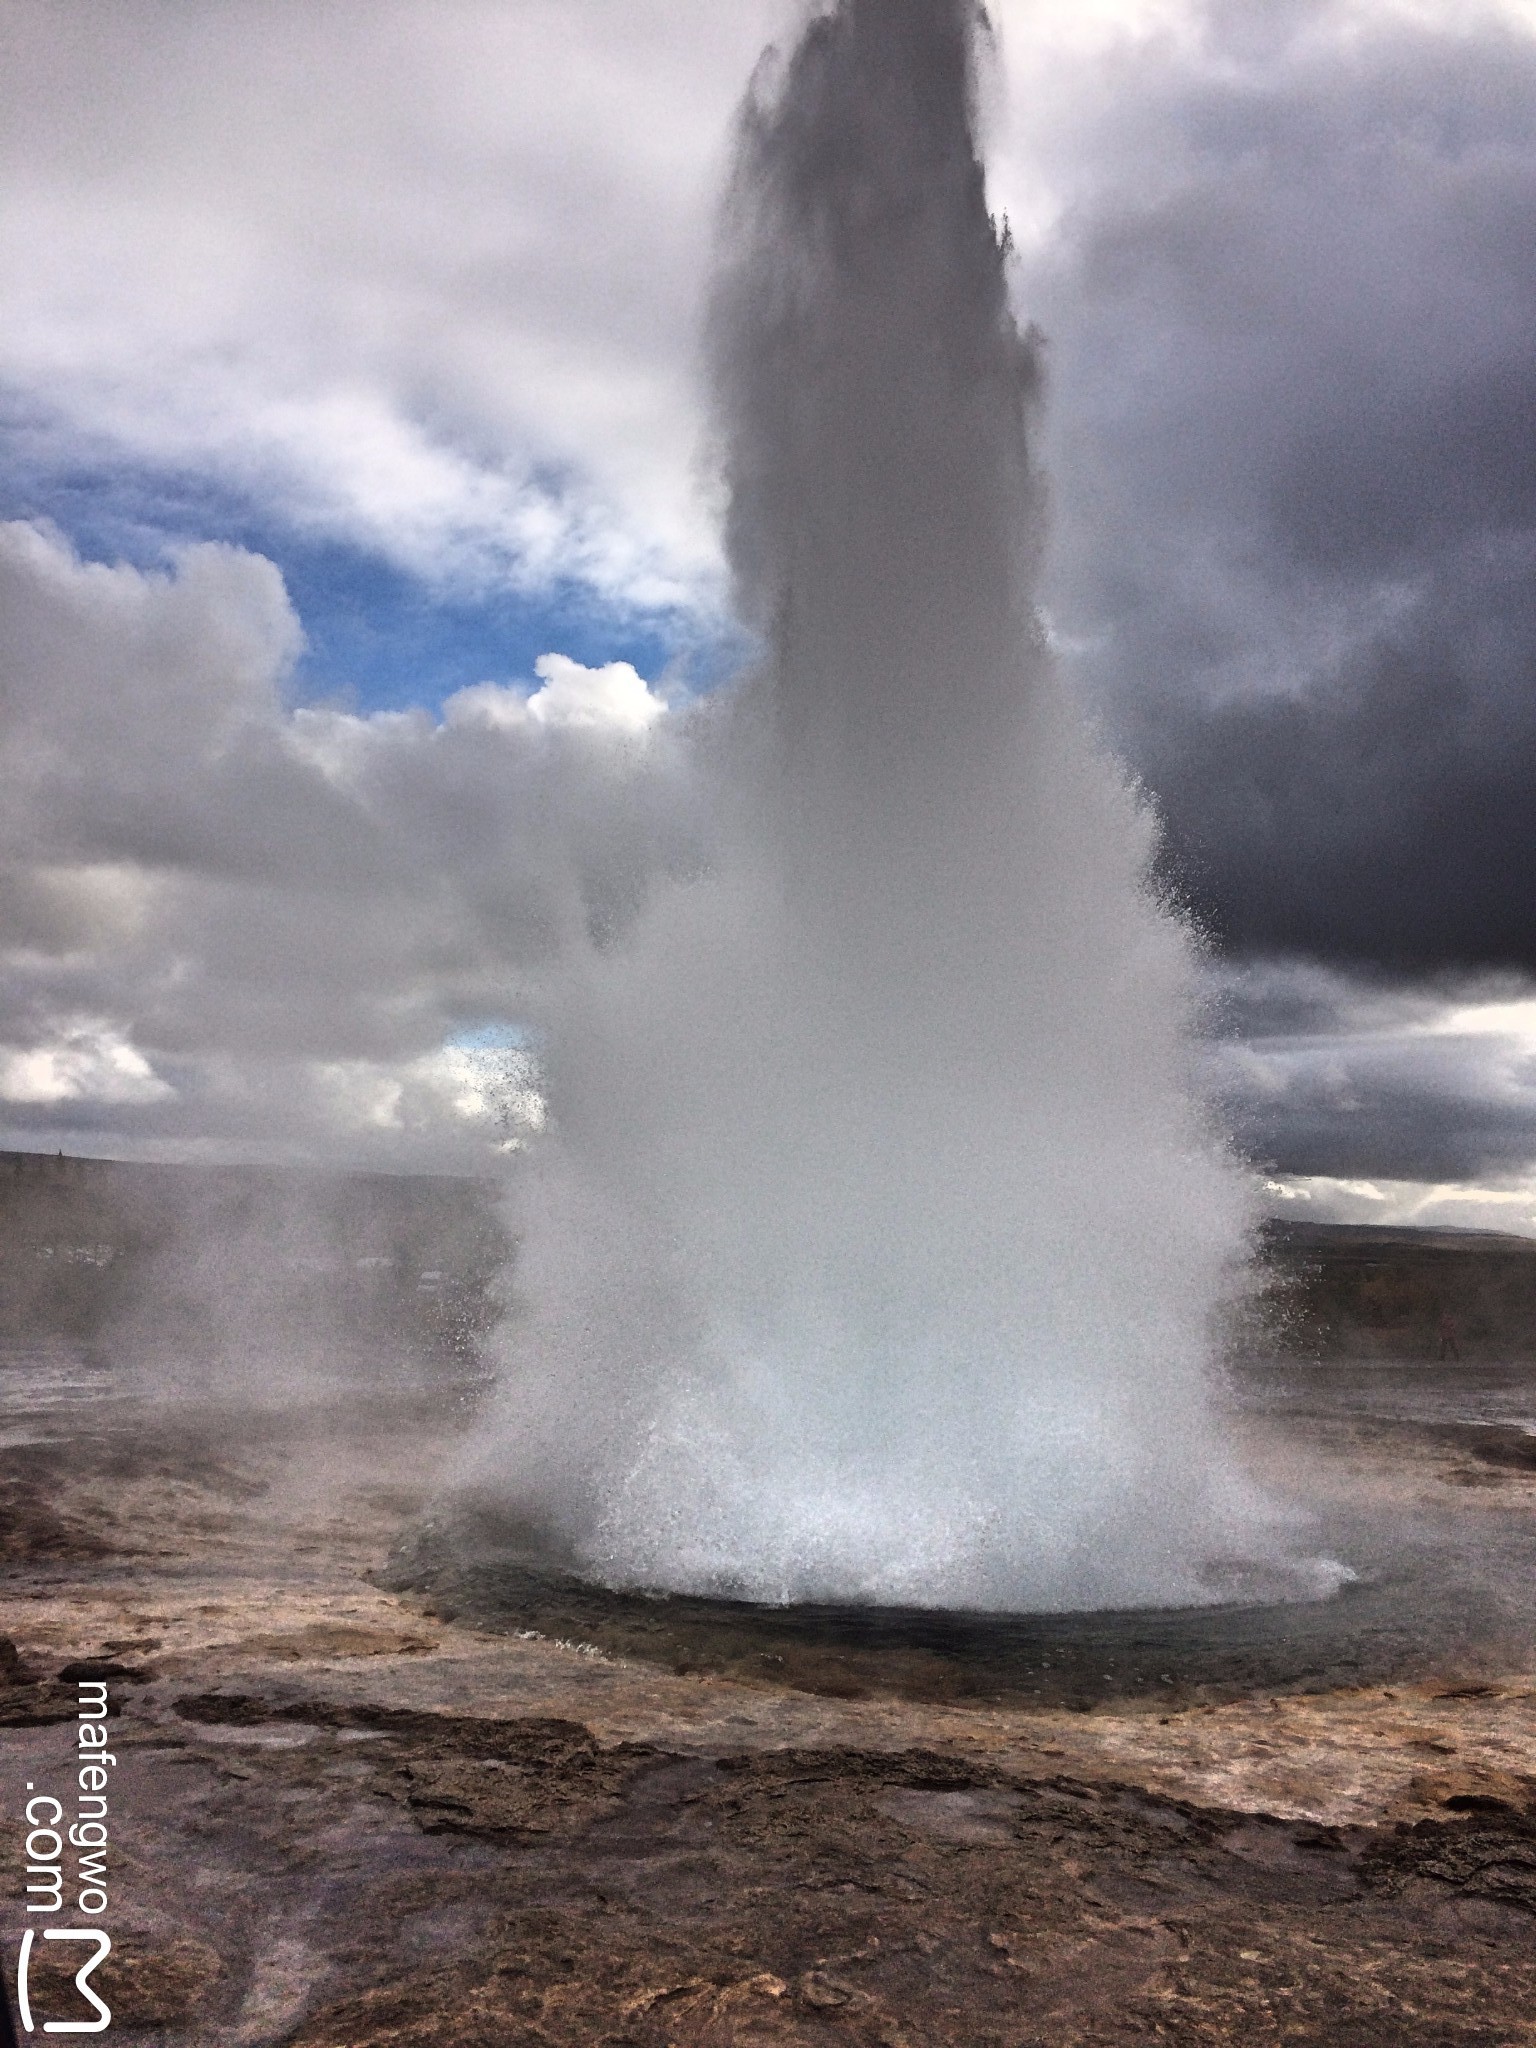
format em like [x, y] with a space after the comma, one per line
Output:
[877, 1241]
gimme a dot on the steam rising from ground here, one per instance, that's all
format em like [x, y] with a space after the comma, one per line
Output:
[876, 1244]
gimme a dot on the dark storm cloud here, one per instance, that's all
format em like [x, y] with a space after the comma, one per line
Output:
[1267, 1003]
[1295, 464]
[1362, 1078]
[1386, 813]
[1440, 1108]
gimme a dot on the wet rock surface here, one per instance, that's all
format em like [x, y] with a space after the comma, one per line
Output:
[478, 1881]
[350, 1811]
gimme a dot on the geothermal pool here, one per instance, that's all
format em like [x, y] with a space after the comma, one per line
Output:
[1411, 1476]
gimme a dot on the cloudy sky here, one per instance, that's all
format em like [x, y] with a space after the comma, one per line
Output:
[360, 547]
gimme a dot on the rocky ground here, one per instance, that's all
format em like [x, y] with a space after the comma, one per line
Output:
[369, 1792]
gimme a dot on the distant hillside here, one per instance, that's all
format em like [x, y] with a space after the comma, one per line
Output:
[203, 1258]
[238, 1261]
[1367, 1291]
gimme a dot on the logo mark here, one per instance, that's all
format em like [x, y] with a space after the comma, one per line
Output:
[23, 1985]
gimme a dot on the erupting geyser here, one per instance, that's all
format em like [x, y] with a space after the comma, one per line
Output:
[876, 1244]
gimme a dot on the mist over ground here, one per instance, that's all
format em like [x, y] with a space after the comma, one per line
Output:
[241, 1287]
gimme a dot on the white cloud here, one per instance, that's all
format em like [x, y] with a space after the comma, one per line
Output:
[1407, 1204]
[613, 698]
[426, 279]
[225, 919]
[86, 1060]
[429, 278]
[1513, 1019]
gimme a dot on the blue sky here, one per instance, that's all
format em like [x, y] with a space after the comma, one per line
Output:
[377, 636]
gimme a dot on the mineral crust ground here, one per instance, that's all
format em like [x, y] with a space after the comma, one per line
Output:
[383, 1785]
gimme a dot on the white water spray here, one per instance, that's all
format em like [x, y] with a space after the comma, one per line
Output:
[876, 1244]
